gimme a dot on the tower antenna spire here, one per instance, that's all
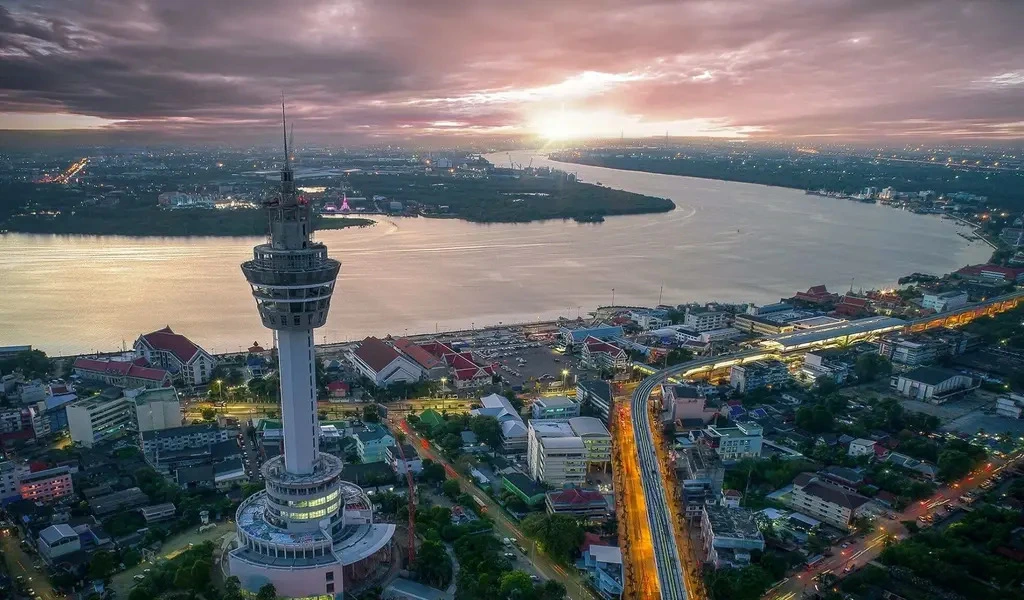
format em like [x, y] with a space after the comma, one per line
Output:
[284, 134]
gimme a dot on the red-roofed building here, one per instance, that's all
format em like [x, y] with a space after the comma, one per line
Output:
[818, 294]
[582, 503]
[177, 354]
[121, 373]
[851, 306]
[434, 366]
[383, 365]
[337, 389]
[465, 371]
[992, 273]
[598, 354]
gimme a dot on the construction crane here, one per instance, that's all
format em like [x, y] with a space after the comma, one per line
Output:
[412, 506]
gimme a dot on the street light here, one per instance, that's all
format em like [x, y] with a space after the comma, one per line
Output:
[444, 380]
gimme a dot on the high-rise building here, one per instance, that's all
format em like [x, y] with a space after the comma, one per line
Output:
[309, 533]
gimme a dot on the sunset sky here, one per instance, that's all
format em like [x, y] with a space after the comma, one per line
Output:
[894, 70]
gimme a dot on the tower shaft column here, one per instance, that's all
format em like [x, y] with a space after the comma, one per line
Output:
[298, 399]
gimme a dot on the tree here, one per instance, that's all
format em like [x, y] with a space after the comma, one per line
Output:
[267, 592]
[451, 443]
[102, 564]
[551, 590]
[371, 414]
[871, 366]
[451, 489]
[487, 430]
[559, 535]
[433, 565]
[232, 589]
[816, 419]
[516, 585]
[32, 363]
[954, 464]
[825, 386]
[432, 472]
[209, 414]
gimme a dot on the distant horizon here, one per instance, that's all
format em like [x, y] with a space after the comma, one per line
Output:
[362, 73]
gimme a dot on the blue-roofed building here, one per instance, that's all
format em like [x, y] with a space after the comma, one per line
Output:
[735, 412]
[603, 565]
[372, 443]
[602, 332]
[758, 413]
[256, 366]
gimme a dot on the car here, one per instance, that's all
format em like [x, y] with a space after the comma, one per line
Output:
[847, 568]
[510, 555]
[534, 578]
[845, 545]
[139, 577]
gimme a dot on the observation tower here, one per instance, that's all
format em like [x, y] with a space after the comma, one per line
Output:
[308, 533]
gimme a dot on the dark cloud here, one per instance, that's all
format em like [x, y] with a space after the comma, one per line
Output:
[394, 68]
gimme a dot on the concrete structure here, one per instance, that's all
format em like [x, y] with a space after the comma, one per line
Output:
[58, 540]
[730, 535]
[603, 565]
[178, 354]
[158, 512]
[701, 474]
[372, 442]
[944, 301]
[406, 589]
[10, 477]
[825, 501]
[526, 489]
[581, 503]
[832, 335]
[605, 332]
[309, 533]
[411, 463]
[118, 501]
[383, 365]
[680, 402]
[932, 384]
[825, 363]
[513, 430]
[733, 443]
[705, 320]
[861, 447]
[557, 408]
[157, 409]
[121, 373]
[98, 418]
[760, 325]
[179, 438]
[555, 454]
[759, 374]
[46, 485]
[1010, 406]
[598, 394]
[599, 354]
[596, 439]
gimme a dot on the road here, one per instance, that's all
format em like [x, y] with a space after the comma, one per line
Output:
[503, 524]
[19, 563]
[866, 549]
[642, 575]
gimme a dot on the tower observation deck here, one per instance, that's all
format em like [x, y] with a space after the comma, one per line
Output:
[309, 532]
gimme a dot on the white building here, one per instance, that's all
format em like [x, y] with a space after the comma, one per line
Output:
[598, 394]
[177, 354]
[411, 463]
[1010, 406]
[944, 301]
[513, 430]
[58, 540]
[825, 501]
[557, 408]
[861, 447]
[10, 477]
[158, 512]
[733, 443]
[156, 409]
[596, 439]
[598, 354]
[932, 384]
[98, 418]
[758, 374]
[555, 454]
[383, 365]
[730, 536]
[648, 320]
[705, 320]
[179, 438]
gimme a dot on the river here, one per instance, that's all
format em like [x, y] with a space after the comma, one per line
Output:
[725, 241]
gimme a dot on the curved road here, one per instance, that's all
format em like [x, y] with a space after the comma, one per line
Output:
[666, 552]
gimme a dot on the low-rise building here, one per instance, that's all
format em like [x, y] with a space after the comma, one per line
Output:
[825, 501]
[118, 501]
[861, 447]
[944, 301]
[581, 503]
[826, 363]
[99, 418]
[158, 512]
[157, 409]
[730, 536]
[932, 384]
[599, 354]
[383, 365]
[10, 478]
[733, 443]
[372, 443]
[180, 438]
[523, 487]
[758, 374]
[705, 319]
[221, 475]
[124, 374]
[46, 485]
[1010, 406]
[58, 540]
[513, 431]
[411, 463]
[597, 393]
[557, 408]
[761, 324]
[604, 568]
[688, 403]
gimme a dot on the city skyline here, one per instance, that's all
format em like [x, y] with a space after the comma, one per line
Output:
[404, 72]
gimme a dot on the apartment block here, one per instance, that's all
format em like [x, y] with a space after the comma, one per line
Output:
[733, 443]
[825, 501]
[98, 418]
[47, 485]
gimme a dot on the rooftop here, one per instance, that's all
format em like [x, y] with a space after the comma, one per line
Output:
[55, 533]
[930, 375]
[576, 497]
[828, 492]
[168, 341]
[839, 330]
[173, 432]
[584, 426]
[555, 402]
[167, 394]
[737, 523]
[606, 554]
[376, 354]
[598, 387]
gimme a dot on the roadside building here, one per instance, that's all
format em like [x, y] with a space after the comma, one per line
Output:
[701, 474]
[932, 384]
[926, 347]
[221, 475]
[687, 403]
[758, 374]
[372, 443]
[523, 487]
[730, 536]
[58, 540]
[513, 429]
[601, 355]
[383, 365]
[121, 373]
[99, 418]
[337, 390]
[555, 455]
[411, 463]
[944, 301]
[826, 363]
[580, 503]
[825, 501]
[603, 566]
[46, 485]
[554, 408]
[180, 438]
[178, 354]
[920, 467]
[157, 409]
[434, 367]
[596, 439]
[700, 320]
[760, 324]
[466, 372]
[734, 443]
[10, 477]
[597, 393]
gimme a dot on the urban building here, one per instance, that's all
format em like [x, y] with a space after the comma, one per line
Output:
[596, 439]
[372, 443]
[825, 363]
[118, 501]
[121, 373]
[925, 347]
[406, 589]
[220, 475]
[309, 533]
[411, 463]
[861, 447]
[434, 368]
[156, 409]
[825, 501]
[555, 455]
[685, 403]
[178, 354]
[843, 333]
[580, 503]
[466, 372]
[99, 418]
[815, 295]
[383, 365]
[513, 430]
[944, 301]
[58, 540]
[604, 568]
[932, 384]
[524, 488]
[758, 374]
[990, 272]
[701, 474]
[597, 393]
[730, 536]
[158, 512]
[598, 354]
[760, 324]
[10, 478]
[701, 320]
[733, 443]
[920, 467]
[557, 408]
[46, 485]
[156, 441]
[1007, 406]
[647, 319]
[573, 336]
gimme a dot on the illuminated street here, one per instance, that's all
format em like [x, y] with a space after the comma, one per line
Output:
[638, 555]
[19, 564]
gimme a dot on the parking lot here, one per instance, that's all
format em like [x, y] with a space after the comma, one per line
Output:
[524, 366]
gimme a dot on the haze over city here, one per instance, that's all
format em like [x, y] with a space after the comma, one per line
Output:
[194, 70]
